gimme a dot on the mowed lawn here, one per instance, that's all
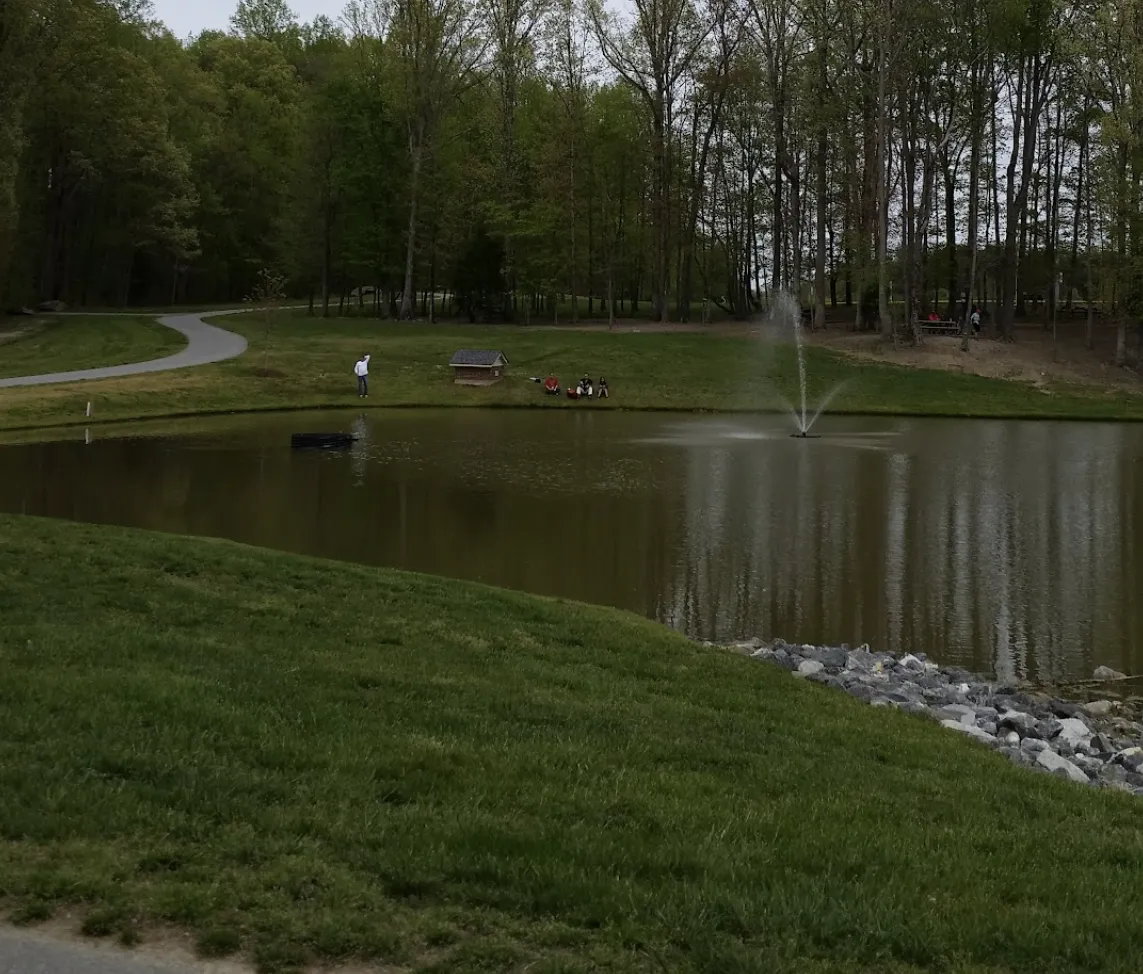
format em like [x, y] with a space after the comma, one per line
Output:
[302, 760]
[296, 361]
[31, 346]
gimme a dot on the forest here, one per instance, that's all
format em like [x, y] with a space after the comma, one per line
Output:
[507, 159]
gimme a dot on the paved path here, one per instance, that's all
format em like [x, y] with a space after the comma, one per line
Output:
[32, 952]
[205, 344]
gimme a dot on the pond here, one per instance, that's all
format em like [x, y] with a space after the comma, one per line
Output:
[1013, 547]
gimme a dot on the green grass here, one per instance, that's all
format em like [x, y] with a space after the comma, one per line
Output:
[68, 343]
[296, 361]
[308, 761]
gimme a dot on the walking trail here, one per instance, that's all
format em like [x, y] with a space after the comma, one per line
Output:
[205, 344]
[35, 952]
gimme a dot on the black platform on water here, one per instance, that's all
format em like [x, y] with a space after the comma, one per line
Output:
[806, 436]
[321, 441]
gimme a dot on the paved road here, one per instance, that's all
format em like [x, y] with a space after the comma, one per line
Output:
[31, 952]
[205, 344]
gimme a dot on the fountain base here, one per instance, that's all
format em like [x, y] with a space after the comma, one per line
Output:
[806, 436]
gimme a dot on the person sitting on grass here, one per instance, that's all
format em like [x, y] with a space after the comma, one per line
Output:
[361, 370]
[602, 388]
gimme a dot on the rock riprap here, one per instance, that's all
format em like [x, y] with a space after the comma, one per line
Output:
[1095, 743]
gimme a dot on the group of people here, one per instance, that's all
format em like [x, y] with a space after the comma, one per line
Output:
[973, 319]
[584, 389]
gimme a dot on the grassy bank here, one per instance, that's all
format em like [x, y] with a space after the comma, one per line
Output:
[305, 760]
[30, 346]
[300, 362]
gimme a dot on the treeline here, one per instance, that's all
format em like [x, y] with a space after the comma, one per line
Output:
[504, 155]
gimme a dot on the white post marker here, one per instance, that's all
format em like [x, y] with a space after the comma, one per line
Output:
[89, 407]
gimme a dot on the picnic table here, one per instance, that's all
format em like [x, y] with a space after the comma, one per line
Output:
[942, 327]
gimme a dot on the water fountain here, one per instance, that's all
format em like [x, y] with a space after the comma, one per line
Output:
[785, 311]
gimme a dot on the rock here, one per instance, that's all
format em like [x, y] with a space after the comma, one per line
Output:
[53, 306]
[1093, 742]
[860, 659]
[1089, 764]
[1101, 744]
[1016, 756]
[959, 712]
[1107, 673]
[1050, 761]
[825, 679]
[785, 660]
[1113, 772]
[1062, 708]
[1131, 759]
[1024, 724]
[832, 659]
[1074, 731]
[970, 729]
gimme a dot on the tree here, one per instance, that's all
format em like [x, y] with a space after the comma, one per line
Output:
[267, 20]
[17, 62]
[511, 26]
[437, 49]
[652, 54]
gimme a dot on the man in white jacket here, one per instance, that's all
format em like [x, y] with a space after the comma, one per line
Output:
[361, 370]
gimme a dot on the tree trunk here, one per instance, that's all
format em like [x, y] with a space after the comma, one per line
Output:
[778, 230]
[883, 169]
[407, 296]
[973, 203]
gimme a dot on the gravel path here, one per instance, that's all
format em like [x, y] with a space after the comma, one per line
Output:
[32, 952]
[205, 344]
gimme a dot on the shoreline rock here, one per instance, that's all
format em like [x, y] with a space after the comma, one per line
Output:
[1094, 743]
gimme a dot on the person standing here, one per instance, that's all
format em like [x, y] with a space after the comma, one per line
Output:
[361, 370]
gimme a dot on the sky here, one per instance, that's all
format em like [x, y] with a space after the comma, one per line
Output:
[186, 17]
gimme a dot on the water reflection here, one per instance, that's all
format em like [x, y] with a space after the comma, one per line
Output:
[1007, 546]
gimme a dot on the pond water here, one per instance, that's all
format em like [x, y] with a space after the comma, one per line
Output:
[1002, 546]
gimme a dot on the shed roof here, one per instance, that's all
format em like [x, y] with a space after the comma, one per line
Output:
[478, 357]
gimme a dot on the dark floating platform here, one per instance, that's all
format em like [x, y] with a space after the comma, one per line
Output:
[806, 436]
[321, 441]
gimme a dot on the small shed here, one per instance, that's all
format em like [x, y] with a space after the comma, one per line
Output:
[478, 367]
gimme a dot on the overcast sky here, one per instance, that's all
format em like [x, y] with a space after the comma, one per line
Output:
[185, 17]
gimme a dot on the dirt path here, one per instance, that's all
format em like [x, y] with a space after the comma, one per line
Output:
[47, 952]
[1031, 358]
